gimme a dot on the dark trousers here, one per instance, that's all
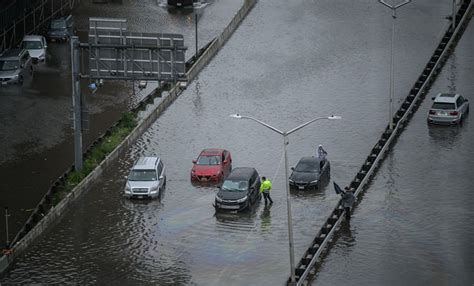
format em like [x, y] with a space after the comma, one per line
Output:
[348, 213]
[267, 196]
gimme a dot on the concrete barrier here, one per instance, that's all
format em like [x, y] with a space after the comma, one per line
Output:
[55, 213]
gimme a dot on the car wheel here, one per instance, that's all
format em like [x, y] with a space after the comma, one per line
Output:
[31, 70]
[20, 80]
[467, 109]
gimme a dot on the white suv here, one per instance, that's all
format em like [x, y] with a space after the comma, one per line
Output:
[36, 46]
[448, 108]
[147, 178]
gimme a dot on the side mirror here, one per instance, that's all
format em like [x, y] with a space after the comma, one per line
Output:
[433, 98]
[466, 100]
[225, 161]
[194, 161]
[125, 177]
[22, 66]
[161, 177]
[45, 46]
[292, 168]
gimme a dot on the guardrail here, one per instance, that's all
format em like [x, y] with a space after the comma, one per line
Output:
[305, 269]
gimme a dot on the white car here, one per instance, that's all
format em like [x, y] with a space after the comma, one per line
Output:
[36, 46]
[448, 108]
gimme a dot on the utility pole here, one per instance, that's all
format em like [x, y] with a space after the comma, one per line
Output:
[394, 16]
[6, 224]
[76, 103]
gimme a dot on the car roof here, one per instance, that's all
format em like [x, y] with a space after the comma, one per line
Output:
[241, 173]
[146, 163]
[211, 152]
[446, 97]
[309, 159]
[11, 54]
[32, 38]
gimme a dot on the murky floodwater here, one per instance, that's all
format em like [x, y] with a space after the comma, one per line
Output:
[36, 140]
[286, 64]
[414, 225]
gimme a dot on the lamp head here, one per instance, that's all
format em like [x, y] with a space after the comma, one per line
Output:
[237, 116]
[333, 117]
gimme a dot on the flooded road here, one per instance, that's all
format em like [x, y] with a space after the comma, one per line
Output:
[286, 64]
[36, 139]
[414, 225]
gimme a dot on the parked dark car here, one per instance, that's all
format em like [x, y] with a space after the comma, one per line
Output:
[181, 3]
[240, 190]
[61, 29]
[15, 66]
[308, 173]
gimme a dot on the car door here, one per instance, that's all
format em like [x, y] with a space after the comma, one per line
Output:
[462, 104]
[228, 162]
[255, 188]
[161, 174]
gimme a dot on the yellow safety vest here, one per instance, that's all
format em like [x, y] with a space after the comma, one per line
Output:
[265, 186]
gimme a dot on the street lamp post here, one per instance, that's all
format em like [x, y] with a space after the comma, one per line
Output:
[394, 16]
[197, 12]
[288, 204]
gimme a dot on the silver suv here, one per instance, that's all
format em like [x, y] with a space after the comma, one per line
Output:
[147, 178]
[448, 108]
[15, 65]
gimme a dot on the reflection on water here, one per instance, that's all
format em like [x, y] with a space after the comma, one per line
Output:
[266, 219]
[445, 136]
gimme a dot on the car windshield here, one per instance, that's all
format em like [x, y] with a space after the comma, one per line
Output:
[142, 175]
[32, 45]
[307, 167]
[8, 65]
[58, 24]
[235, 186]
[443, 105]
[208, 160]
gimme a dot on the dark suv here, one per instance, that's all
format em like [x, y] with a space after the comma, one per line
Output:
[61, 29]
[239, 191]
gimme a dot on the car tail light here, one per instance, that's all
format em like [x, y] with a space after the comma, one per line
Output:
[432, 112]
[454, 113]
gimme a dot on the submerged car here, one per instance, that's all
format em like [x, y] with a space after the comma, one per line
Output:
[15, 65]
[147, 178]
[308, 173]
[61, 29]
[36, 46]
[240, 190]
[211, 166]
[448, 109]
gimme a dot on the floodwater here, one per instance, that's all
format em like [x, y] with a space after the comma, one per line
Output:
[36, 139]
[414, 225]
[288, 63]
